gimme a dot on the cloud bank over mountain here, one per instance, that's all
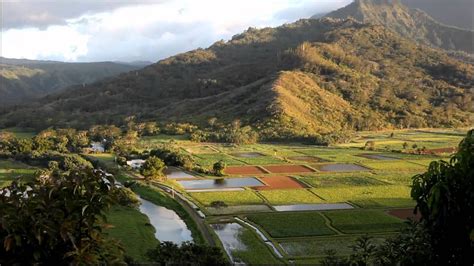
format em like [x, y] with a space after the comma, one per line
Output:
[138, 29]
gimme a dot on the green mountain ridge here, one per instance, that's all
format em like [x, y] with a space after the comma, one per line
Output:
[409, 23]
[457, 13]
[305, 78]
[23, 80]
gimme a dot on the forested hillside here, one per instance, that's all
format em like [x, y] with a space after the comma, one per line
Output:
[309, 77]
[22, 80]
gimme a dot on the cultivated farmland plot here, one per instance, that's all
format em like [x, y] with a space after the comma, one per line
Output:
[311, 198]
[11, 170]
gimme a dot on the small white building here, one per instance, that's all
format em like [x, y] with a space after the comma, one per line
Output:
[97, 147]
[136, 164]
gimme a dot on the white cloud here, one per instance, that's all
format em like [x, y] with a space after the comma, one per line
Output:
[153, 30]
[56, 42]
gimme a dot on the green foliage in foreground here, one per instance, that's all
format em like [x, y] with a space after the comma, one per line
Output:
[57, 220]
[363, 221]
[410, 247]
[292, 224]
[445, 199]
[188, 254]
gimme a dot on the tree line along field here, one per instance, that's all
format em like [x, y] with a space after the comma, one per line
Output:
[373, 188]
[373, 182]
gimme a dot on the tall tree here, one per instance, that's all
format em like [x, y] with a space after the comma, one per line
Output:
[58, 220]
[445, 199]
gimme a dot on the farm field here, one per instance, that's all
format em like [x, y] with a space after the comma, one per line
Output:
[246, 197]
[21, 133]
[302, 224]
[295, 202]
[318, 246]
[10, 170]
[290, 196]
[363, 221]
[375, 182]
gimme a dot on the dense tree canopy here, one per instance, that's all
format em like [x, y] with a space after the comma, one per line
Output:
[57, 220]
[445, 199]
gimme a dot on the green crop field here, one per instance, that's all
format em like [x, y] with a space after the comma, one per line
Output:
[256, 253]
[337, 154]
[10, 170]
[290, 196]
[294, 224]
[430, 140]
[341, 179]
[318, 246]
[397, 195]
[262, 160]
[395, 165]
[210, 159]
[246, 197]
[363, 221]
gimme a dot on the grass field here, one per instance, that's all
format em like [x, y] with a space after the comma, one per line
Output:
[106, 159]
[403, 166]
[337, 154]
[292, 224]
[21, 133]
[133, 230]
[231, 198]
[397, 195]
[293, 196]
[341, 179]
[263, 160]
[319, 246]
[363, 221]
[429, 139]
[209, 159]
[10, 170]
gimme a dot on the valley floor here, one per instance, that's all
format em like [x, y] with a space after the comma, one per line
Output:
[282, 203]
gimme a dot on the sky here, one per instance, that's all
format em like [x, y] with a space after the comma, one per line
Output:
[137, 30]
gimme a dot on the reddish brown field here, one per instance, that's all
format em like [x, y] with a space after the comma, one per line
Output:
[404, 214]
[441, 150]
[288, 169]
[279, 182]
[244, 170]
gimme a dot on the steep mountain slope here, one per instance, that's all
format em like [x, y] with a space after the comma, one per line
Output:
[410, 23]
[453, 12]
[300, 79]
[22, 80]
